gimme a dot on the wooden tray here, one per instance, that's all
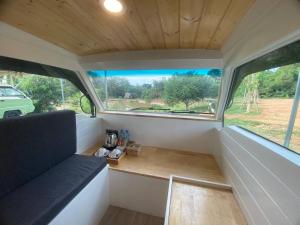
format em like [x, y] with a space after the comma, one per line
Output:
[133, 149]
[115, 161]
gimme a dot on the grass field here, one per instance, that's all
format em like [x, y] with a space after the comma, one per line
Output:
[157, 104]
[270, 121]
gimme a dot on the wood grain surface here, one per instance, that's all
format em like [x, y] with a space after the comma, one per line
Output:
[162, 163]
[84, 27]
[119, 216]
[197, 205]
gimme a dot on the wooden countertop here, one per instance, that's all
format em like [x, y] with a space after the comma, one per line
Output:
[193, 204]
[161, 163]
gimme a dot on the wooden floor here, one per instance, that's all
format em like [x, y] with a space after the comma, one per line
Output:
[162, 163]
[118, 216]
[196, 205]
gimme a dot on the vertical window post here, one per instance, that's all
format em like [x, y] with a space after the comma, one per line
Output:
[62, 93]
[293, 115]
[106, 93]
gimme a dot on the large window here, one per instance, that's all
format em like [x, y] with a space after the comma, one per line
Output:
[178, 91]
[23, 93]
[265, 97]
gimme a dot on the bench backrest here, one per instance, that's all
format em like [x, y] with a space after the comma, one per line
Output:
[32, 144]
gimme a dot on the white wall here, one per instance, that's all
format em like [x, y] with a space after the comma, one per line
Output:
[16, 43]
[139, 193]
[89, 132]
[154, 59]
[264, 176]
[170, 133]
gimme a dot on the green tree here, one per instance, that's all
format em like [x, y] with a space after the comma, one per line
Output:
[99, 84]
[154, 90]
[189, 88]
[215, 72]
[43, 91]
[135, 91]
[280, 82]
[158, 88]
[147, 92]
[117, 87]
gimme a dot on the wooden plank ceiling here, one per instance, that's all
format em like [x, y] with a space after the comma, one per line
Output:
[83, 27]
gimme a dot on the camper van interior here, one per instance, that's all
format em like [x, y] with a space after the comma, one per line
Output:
[149, 112]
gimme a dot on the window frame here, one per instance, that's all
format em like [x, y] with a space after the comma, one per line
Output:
[200, 116]
[235, 79]
[12, 64]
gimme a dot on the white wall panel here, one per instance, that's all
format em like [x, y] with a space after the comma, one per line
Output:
[178, 134]
[16, 43]
[263, 199]
[139, 193]
[154, 59]
[265, 176]
[247, 202]
[280, 162]
[89, 132]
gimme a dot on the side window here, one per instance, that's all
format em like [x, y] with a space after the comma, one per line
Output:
[2, 92]
[35, 93]
[266, 101]
[9, 91]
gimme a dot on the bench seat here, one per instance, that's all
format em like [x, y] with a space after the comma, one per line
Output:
[40, 200]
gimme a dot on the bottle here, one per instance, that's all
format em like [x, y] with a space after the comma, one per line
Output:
[126, 136]
[121, 138]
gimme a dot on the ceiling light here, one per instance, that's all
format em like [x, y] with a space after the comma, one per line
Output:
[113, 6]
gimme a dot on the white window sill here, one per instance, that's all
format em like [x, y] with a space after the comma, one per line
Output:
[161, 115]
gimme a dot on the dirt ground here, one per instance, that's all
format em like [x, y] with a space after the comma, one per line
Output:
[275, 115]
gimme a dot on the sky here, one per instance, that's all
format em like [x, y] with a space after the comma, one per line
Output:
[139, 77]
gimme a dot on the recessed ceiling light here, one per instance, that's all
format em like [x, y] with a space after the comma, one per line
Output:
[113, 6]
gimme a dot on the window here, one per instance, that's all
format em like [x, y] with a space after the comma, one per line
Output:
[9, 92]
[41, 93]
[28, 87]
[2, 91]
[265, 97]
[178, 91]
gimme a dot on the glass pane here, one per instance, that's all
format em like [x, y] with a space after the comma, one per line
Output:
[2, 91]
[178, 91]
[12, 92]
[263, 102]
[26, 93]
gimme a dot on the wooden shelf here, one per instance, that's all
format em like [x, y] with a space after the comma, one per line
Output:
[162, 163]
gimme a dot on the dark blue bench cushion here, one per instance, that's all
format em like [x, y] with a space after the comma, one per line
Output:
[31, 145]
[40, 200]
